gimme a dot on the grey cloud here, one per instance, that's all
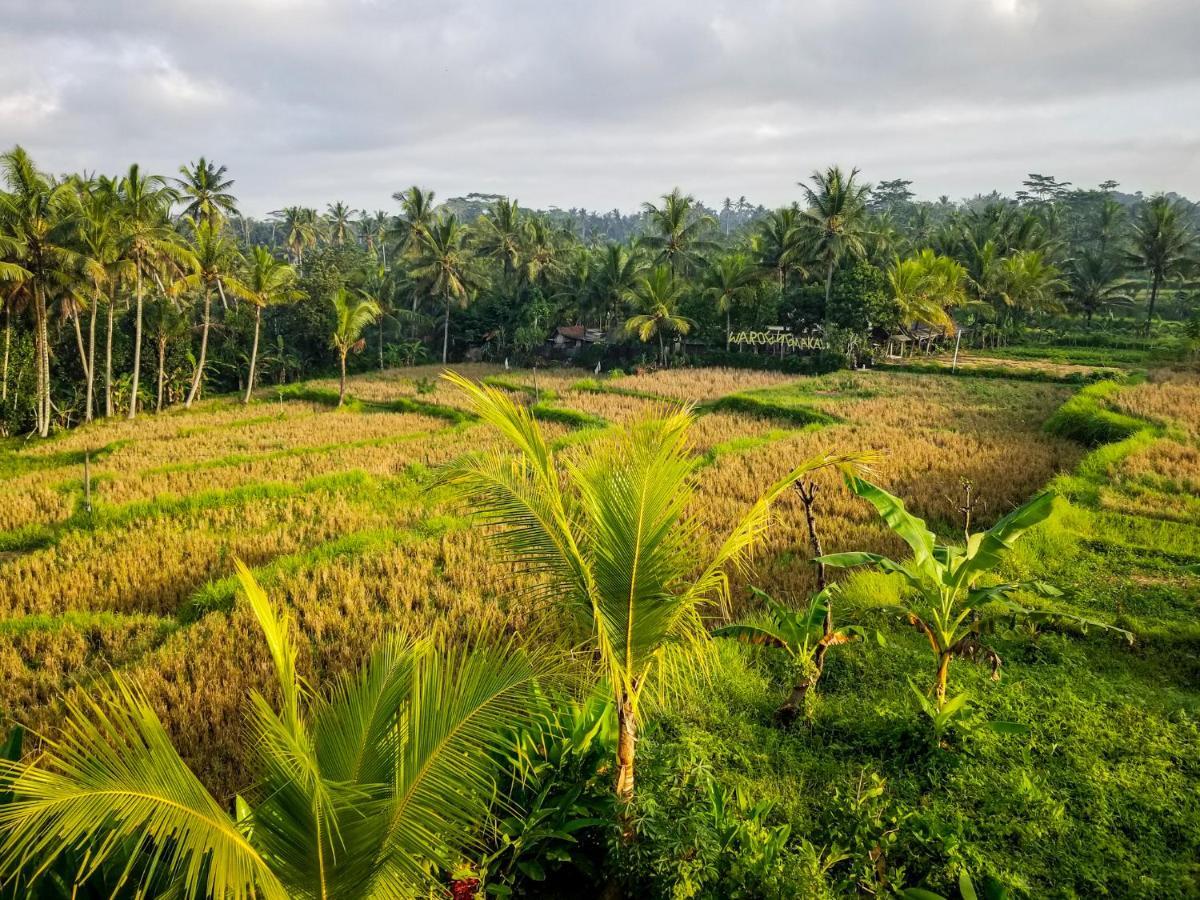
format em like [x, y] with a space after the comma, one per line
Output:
[607, 103]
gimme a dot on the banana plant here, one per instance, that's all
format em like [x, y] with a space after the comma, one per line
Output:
[801, 634]
[945, 598]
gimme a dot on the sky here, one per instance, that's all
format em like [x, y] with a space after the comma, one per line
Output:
[606, 103]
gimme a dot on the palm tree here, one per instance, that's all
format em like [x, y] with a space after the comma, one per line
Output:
[366, 790]
[38, 226]
[658, 295]
[147, 237]
[104, 268]
[338, 216]
[1096, 282]
[612, 536]
[728, 282]
[415, 219]
[166, 323]
[1162, 241]
[617, 276]
[500, 235]
[268, 282]
[677, 231]
[835, 223]
[926, 286]
[1030, 283]
[781, 244]
[301, 230]
[214, 261]
[206, 190]
[444, 263]
[354, 312]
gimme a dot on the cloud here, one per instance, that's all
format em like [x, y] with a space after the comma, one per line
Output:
[606, 104]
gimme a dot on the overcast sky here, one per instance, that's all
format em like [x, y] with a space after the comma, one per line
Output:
[604, 103]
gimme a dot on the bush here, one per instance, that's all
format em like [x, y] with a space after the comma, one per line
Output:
[1085, 419]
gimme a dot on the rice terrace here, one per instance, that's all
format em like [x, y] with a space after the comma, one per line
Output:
[841, 546]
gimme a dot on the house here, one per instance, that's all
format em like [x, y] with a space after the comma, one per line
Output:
[570, 339]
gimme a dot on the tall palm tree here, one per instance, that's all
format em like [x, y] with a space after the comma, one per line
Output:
[1161, 244]
[657, 295]
[728, 282]
[205, 189]
[354, 312]
[615, 542]
[500, 235]
[301, 230]
[147, 238]
[37, 222]
[835, 223]
[214, 262]
[616, 277]
[370, 789]
[1096, 281]
[268, 282]
[781, 246]
[105, 269]
[338, 218]
[677, 231]
[415, 219]
[444, 264]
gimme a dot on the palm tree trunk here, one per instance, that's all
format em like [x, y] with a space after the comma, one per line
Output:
[7, 347]
[828, 294]
[1155, 283]
[90, 408]
[626, 752]
[198, 375]
[137, 344]
[342, 382]
[728, 328]
[108, 379]
[381, 330]
[42, 419]
[162, 371]
[253, 353]
[662, 349]
[446, 333]
[83, 360]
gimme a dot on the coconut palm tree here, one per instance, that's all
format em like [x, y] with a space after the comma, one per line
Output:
[657, 296]
[617, 276]
[1096, 281]
[205, 189]
[37, 222]
[268, 282]
[1161, 244]
[354, 312]
[301, 230]
[444, 265]
[416, 216]
[728, 282]
[926, 287]
[835, 224]
[677, 232]
[500, 235]
[370, 789]
[338, 222]
[105, 269]
[612, 537]
[781, 244]
[1030, 283]
[147, 239]
[215, 263]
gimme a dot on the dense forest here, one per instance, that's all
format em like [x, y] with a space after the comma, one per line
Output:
[136, 292]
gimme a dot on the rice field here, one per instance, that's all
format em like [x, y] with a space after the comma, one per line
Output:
[337, 512]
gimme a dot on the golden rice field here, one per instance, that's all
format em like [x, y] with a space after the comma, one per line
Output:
[337, 512]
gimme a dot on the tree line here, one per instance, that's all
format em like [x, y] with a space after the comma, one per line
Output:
[97, 273]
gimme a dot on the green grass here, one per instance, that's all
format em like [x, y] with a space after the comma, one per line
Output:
[785, 403]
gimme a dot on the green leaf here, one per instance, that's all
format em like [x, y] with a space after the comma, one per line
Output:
[920, 894]
[532, 870]
[965, 887]
[1001, 727]
[911, 529]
